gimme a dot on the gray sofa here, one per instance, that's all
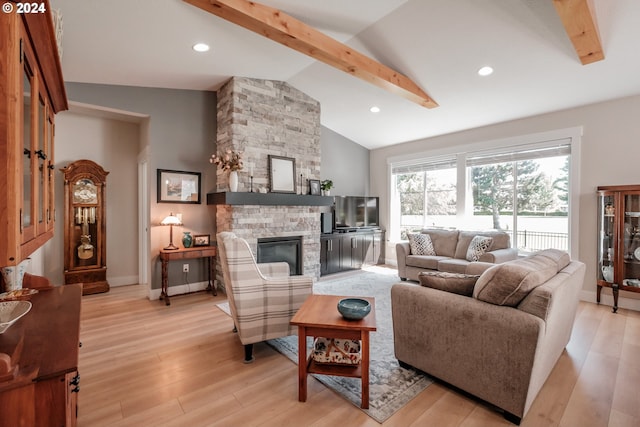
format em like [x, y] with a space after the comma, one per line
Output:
[501, 342]
[451, 250]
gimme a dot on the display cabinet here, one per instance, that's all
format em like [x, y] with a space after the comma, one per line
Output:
[32, 91]
[618, 240]
[85, 254]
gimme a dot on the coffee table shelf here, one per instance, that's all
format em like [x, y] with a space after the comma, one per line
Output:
[319, 317]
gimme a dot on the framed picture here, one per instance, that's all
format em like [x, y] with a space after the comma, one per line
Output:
[178, 186]
[282, 174]
[314, 187]
[201, 240]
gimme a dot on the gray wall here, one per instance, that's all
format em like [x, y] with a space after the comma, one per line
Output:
[181, 136]
[345, 163]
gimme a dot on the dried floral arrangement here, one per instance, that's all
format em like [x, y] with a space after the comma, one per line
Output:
[229, 161]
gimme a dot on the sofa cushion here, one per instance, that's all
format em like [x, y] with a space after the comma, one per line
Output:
[444, 241]
[501, 240]
[428, 262]
[452, 265]
[509, 283]
[560, 258]
[420, 244]
[457, 283]
[478, 246]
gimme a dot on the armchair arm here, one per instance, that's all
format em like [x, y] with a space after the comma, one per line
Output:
[402, 250]
[484, 349]
[274, 269]
[499, 255]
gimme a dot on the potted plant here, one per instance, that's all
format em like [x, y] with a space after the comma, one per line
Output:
[326, 186]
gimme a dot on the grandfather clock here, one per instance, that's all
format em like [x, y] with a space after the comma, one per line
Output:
[85, 251]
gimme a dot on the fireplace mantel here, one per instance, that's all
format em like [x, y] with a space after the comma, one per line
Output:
[273, 199]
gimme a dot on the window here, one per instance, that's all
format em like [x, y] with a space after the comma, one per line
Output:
[525, 193]
[520, 186]
[426, 194]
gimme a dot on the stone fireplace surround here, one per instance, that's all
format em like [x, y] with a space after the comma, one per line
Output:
[262, 118]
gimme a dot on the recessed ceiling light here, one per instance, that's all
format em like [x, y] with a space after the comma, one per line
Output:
[201, 47]
[485, 71]
[374, 109]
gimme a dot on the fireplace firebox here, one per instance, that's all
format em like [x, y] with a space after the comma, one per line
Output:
[278, 249]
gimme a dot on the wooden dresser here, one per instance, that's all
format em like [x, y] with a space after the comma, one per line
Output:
[43, 390]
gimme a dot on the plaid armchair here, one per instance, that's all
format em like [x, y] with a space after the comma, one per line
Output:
[262, 297]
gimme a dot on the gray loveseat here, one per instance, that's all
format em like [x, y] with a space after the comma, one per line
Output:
[501, 342]
[451, 253]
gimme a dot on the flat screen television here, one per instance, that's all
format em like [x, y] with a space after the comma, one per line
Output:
[356, 212]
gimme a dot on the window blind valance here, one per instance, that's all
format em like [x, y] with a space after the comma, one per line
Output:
[423, 165]
[518, 153]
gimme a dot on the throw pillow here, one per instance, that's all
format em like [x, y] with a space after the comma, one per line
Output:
[509, 283]
[457, 283]
[421, 244]
[334, 351]
[477, 247]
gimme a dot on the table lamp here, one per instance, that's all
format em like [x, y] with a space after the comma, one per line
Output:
[171, 220]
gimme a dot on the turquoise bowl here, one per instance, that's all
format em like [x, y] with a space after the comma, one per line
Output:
[354, 308]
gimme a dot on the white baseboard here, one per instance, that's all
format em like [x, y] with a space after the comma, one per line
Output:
[606, 298]
[154, 294]
[122, 280]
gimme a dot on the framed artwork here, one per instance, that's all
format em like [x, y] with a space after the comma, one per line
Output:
[201, 240]
[282, 174]
[178, 186]
[314, 187]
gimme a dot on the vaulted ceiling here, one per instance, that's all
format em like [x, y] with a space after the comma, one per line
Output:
[438, 44]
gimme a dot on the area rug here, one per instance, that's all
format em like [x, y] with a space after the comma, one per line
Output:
[391, 387]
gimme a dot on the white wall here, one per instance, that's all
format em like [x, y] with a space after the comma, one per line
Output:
[610, 155]
[113, 144]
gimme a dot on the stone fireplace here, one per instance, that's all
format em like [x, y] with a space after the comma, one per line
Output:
[263, 118]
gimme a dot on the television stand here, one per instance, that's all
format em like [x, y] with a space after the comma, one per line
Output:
[350, 248]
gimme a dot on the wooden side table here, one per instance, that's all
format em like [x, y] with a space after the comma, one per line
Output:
[319, 317]
[208, 252]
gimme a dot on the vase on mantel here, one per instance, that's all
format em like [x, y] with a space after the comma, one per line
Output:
[233, 181]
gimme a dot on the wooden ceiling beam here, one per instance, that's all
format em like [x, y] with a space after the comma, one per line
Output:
[579, 22]
[286, 30]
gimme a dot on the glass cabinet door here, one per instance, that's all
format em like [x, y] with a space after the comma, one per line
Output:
[607, 237]
[631, 241]
[27, 151]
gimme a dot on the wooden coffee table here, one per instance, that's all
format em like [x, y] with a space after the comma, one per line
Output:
[319, 317]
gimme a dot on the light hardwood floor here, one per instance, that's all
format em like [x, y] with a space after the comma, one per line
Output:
[145, 364]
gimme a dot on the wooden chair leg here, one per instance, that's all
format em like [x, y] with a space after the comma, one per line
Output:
[248, 353]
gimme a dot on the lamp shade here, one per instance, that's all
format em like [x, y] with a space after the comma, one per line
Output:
[171, 220]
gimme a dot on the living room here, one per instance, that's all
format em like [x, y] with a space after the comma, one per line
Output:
[132, 130]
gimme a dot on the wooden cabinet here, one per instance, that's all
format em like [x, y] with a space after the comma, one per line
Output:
[618, 240]
[41, 383]
[349, 251]
[330, 254]
[32, 91]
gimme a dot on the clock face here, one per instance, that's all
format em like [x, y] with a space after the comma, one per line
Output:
[85, 192]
